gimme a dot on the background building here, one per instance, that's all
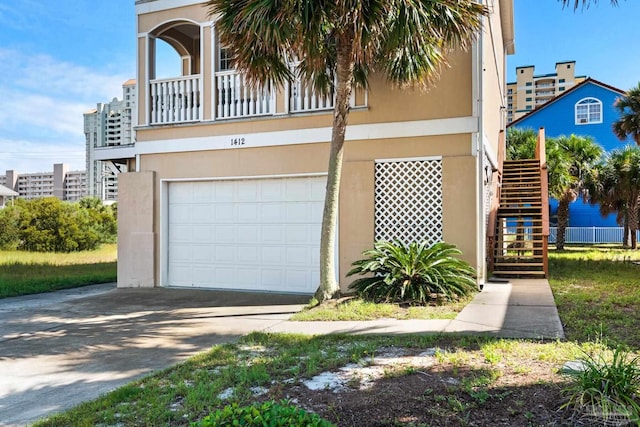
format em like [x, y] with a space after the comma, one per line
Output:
[530, 91]
[108, 125]
[61, 183]
[587, 109]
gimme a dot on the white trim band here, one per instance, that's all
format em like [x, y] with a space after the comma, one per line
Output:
[452, 126]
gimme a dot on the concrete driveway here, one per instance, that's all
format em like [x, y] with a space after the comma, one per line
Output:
[62, 348]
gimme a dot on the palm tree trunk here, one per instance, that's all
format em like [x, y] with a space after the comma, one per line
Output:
[329, 287]
[633, 222]
[626, 238]
[563, 219]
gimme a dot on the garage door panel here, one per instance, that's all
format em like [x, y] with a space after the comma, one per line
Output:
[224, 213]
[224, 234]
[248, 254]
[248, 212]
[248, 191]
[260, 234]
[272, 213]
[272, 190]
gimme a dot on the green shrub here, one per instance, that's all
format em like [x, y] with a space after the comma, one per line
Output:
[50, 225]
[412, 274]
[606, 389]
[267, 414]
[9, 228]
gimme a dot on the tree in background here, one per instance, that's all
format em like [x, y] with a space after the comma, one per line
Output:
[577, 157]
[50, 225]
[615, 185]
[584, 3]
[336, 45]
[628, 107]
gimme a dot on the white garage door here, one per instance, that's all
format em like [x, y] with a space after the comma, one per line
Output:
[252, 234]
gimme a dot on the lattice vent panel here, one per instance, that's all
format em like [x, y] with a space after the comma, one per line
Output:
[408, 201]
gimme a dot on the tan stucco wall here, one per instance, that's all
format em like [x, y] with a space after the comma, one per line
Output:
[357, 189]
[136, 232]
[494, 80]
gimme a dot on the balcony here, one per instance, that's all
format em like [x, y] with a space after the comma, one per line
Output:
[179, 100]
[175, 100]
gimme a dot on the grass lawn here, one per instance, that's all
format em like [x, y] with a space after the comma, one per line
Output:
[398, 381]
[23, 273]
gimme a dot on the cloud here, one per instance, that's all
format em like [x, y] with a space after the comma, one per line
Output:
[25, 156]
[42, 107]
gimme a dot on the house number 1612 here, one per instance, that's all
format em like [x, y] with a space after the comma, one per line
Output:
[237, 141]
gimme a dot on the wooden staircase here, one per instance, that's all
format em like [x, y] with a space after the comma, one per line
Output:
[519, 223]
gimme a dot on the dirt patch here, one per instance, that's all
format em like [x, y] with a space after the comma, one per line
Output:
[402, 388]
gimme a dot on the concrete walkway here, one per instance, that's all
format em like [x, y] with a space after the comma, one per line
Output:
[62, 348]
[521, 308]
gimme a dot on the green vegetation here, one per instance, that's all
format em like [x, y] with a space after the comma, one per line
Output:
[415, 274]
[50, 225]
[605, 387]
[23, 273]
[598, 302]
[270, 414]
[358, 309]
[596, 291]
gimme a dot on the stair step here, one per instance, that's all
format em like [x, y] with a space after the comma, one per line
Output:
[519, 273]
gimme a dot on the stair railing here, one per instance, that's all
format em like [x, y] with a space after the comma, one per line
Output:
[496, 184]
[541, 156]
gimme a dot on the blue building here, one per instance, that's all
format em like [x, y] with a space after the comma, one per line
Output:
[586, 110]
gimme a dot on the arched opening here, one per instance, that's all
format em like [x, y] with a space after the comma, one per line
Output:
[174, 66]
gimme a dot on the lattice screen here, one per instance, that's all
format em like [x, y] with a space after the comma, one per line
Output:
[408, 201]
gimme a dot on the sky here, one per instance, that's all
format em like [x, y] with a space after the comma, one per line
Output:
[58, 59]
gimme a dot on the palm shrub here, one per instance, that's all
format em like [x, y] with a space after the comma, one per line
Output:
[606, 389]
[413, 274]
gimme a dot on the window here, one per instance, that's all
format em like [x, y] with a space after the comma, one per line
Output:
[224, 60]
[509, 91]
[560, 89]
[588, 111]
[561, 81]
[528, 100]
[529, 91]
[529, 107]
[529, 84]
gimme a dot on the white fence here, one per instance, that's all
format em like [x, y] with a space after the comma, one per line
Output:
[590, 234]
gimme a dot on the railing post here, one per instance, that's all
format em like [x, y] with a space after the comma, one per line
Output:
[541, 156]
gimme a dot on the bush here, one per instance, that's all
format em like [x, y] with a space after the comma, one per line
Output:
[9, 228]
[606, 390]
[412, 274]
[50, 225]
[267, 414]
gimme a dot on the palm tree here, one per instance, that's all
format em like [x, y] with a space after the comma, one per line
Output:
[521, 144]
[629, 108]
[585, 3]
[337, 44]
[615, 185]
[580, 155]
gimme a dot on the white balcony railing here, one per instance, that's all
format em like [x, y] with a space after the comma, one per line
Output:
[175, 100]
[179, 100]
[303, 98]
[235, 98]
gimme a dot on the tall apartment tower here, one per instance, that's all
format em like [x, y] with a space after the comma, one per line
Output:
[108, 125]
[530, 91]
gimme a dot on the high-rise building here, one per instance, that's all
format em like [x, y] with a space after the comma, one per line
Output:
[108, 125]
[530, 91]
[61, 183]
